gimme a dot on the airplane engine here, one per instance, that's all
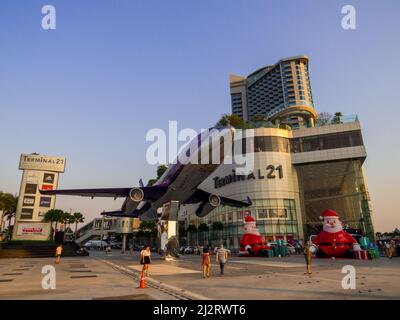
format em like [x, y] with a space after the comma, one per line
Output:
[207, 206]
[204, 209]
[214, 200]
[136, 194]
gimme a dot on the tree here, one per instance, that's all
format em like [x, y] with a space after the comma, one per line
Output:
[217, 226]
[203, 227]
[148, 229]
[230, 120]
[8, 206]
[65, 217]
[77, 217]
[223, 121]
[324, 118]
[337, 118]
[160, 171]
[190, 230]
[260, 117]
[54, 216]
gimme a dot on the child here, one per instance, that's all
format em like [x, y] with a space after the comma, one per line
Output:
[145, 259]
[206, 263]
[58, 253]
[307, 255]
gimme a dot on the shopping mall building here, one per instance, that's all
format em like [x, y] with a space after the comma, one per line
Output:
[300, 170]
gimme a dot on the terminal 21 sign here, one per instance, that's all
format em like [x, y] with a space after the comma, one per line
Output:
[270, 172]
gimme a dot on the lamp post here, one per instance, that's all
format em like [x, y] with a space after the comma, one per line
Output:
[101, 233]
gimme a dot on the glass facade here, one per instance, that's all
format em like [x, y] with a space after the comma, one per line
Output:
[339, 186]
[327, 141]
[276, 219]
[267, 144]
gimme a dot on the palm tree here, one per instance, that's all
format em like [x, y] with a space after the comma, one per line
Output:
[65, 218]
[160, 171]
[77, 218]
[203, 228]
[53, 216]
[337, 118]
[8, 206]
[218, 226]
[191, 229]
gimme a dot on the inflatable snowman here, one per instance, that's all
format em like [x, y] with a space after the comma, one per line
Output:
[251, 242]
[333, 241]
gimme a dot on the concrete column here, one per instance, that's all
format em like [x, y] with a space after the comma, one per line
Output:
[123, 243]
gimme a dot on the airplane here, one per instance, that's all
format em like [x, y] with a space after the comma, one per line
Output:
[178, 183]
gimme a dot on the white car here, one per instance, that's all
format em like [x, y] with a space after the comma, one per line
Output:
[97, 244]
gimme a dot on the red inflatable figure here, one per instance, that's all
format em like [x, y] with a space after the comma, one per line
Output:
[252, 242]
[333, 241]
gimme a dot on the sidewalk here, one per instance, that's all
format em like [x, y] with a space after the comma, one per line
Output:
[76, 278]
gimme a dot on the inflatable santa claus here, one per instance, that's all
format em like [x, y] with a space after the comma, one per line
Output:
[252, 242]
[333, 241]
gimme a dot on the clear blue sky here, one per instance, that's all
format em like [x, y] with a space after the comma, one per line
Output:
[112, 70]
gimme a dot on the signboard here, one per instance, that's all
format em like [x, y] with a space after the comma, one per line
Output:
[32, 229]
[40, 172]
[40, 162]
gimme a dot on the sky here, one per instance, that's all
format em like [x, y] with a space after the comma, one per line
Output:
[112, 70]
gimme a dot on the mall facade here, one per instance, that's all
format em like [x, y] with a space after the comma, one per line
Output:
[297, 175]
[302, 165]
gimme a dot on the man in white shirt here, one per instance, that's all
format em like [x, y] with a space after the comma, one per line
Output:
[222, 258]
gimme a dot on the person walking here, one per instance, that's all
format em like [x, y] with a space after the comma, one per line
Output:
[59, 250]
[390, 249]
[308, 256]
[206, 263]
[108, 249]
[222, 258]
[145, 259]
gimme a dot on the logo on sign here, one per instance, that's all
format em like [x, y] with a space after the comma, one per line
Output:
[32, 230]
[47, 187]
[29, 201]
[48, 178]
[30, 188]
[45, 202]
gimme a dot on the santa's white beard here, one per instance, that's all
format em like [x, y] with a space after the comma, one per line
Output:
[332, 229]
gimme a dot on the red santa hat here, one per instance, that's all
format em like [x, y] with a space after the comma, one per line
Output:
[329, 213]
[249, 219]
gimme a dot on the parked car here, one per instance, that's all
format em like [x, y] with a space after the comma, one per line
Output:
[95, 244]
[189, 250]
[116, 245]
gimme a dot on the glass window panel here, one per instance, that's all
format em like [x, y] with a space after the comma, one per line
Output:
[262, 213]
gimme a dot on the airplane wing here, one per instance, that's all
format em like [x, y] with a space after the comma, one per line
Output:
[202, 196]
[152, 193]
[119, 213]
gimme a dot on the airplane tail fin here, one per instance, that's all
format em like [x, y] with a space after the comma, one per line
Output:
[141, 183]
